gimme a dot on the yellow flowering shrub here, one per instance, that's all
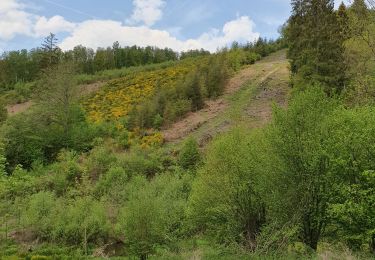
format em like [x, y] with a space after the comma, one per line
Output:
[118, 97]
[155, 139]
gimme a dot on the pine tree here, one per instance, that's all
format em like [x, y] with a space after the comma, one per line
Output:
[360, 17]
[343, 22]
[315, 45]
[51, 51]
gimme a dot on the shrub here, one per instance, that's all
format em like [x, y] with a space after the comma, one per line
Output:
[40, 214]
[3, 113]
[112, 183]
[158, 121]
[99, 161]
[189, 156]
[226, 201]
[152, 217]
[80, 221]
[176, 109]
[146, 162]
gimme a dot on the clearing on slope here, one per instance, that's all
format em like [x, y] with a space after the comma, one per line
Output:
[248, 99]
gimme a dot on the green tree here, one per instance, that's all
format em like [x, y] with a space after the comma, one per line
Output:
[359, 54]
[24, 139]
[51, 52]
[193, 90]
[217, 74]
[301, 180]
[225, 200]
[343, 21]
[315, 45]
[350, 148]
[58, 102]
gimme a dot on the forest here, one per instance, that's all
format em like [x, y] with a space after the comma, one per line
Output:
[263, 150]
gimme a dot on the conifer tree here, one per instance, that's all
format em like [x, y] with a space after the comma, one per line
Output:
[50, 51]
[343, 22]
[315, 45]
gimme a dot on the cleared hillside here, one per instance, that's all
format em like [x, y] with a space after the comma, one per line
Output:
[247, 100]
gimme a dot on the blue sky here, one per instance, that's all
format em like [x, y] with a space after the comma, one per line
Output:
[179, 24]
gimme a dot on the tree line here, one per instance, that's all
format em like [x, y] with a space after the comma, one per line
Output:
[25, 66]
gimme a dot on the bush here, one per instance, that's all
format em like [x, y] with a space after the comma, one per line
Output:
[111, 184]
[63, 173]
[81, 221]
[158, 121]
[99, 161]
[40, 214]
[176, 109]
[189, 156]
[3, 113]
[153, 214]
[123, 139]
[146, 162]
[225, 201]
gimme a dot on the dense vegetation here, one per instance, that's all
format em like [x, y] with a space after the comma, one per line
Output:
[90, 176]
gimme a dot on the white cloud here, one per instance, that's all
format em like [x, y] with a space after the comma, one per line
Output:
[102, 33]
[16, 20]
[13, 20]
[44, 26]
[146, 12]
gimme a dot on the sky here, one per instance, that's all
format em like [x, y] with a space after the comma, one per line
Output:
[177, 24]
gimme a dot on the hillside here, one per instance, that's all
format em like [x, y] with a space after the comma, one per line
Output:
[247, 100]
[255, 149]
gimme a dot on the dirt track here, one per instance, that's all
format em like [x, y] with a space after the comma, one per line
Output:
[248, 97]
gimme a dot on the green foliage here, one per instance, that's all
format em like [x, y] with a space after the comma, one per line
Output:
[353, 212]
[158, 121]
[56, 122]
[40, 212]
[360, 53]
[217, 74]
[175, 110]
[152, 215]
[3, 113]
[123, 139]
[80, 221]
[315, 45]
[63, 173]
[147, 162]
[74, 222]
[189, 156]
[111, 185]
[24, 140]
[351, 147]
[301, 173]
[3, 161]
[99, 161]
[225, 200]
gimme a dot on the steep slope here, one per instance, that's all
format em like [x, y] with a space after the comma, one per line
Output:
[248, 101]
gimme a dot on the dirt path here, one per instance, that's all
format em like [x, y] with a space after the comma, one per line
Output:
[247, 99]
